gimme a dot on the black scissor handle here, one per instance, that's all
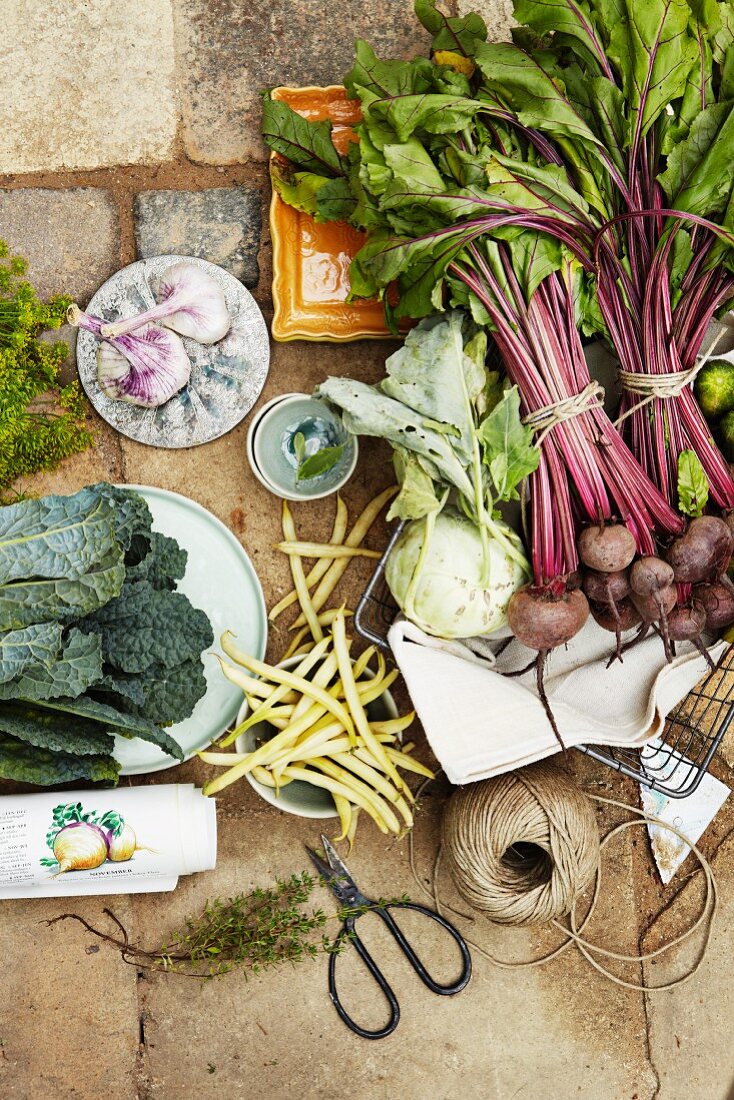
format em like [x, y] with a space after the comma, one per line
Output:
[347, 931]
[443, 990]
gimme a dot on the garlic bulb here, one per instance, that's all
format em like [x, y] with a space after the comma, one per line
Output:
[143, 368]
[190, 302]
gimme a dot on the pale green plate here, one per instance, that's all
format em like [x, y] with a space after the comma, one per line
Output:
[221, 580]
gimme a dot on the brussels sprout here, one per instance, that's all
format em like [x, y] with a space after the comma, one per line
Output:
[725, 434]
[714, 388]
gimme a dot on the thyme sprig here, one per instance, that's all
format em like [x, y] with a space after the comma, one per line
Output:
[247, 932]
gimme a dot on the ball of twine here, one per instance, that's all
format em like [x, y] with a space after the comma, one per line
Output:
[522, 847]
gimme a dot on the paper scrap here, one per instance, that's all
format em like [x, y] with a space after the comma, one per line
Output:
[691, 815]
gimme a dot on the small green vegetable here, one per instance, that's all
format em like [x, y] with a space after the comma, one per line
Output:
[714, 388]
[725, 433]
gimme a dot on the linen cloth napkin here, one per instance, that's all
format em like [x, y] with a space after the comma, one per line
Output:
[479, 723]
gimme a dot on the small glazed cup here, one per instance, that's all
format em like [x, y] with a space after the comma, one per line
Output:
[298, 797]
[264, 449]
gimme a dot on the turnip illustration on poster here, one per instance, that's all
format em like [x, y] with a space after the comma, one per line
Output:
[131, 840]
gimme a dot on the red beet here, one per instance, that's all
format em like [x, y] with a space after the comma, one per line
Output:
[657, 606]
[606, 587]
[718, 603]
[703, 552]
[649, 575]
[608, 549]
[686, 623]
[627, 616]
[542, 620]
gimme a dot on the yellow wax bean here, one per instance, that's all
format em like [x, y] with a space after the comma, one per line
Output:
[372, 778]
[290, 679]
[394, 725]
[353, 827]
[355, 537]
[344, 809]
[341, 520]
[299, 577]
[357, 786]
[324, 550]
[329, 784]
[355, 703]
[402, 760]
[321, 678]
[222, 759]
[277, 693]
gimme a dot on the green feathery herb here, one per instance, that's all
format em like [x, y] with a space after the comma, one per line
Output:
[41, 422]
[249, 932]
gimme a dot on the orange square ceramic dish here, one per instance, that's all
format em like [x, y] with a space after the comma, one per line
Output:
[310, 260]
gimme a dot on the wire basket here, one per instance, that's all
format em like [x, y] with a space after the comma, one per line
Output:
[674, 766]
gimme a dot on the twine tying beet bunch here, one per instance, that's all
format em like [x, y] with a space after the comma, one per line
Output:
[524, 847]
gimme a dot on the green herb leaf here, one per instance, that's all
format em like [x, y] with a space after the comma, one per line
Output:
[113, 721]
[700, 170]
[320, 462]
[693, 486]
[299, 447]
[305, 143]
[509, 451]
[516, 76]
[159, 694]
[38, 644]
[561, 17]
[56, 537]
[162, 563]
[385, 79]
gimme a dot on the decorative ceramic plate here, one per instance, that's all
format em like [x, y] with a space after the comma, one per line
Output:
[226, 378]
[221, 580]
[311, 261]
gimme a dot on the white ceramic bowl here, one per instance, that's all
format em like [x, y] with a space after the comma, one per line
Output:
[256, 453]
[300, 798]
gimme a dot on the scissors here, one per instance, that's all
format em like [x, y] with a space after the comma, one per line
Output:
[337, 877]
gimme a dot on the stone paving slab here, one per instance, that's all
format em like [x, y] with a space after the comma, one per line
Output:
[69, 1017]
[86, 85]
[220, 224]
[690, 1027]
[71, 238]
[229, 51]
[497, 14]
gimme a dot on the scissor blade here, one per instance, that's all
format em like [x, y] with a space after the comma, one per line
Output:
[337, 865]
[323, 868]
[334, 873]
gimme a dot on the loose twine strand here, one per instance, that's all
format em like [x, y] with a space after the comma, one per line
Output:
[540, 806]
[663, 386]
[543, 420]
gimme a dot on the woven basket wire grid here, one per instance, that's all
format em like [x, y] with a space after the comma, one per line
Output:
[693, 730]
